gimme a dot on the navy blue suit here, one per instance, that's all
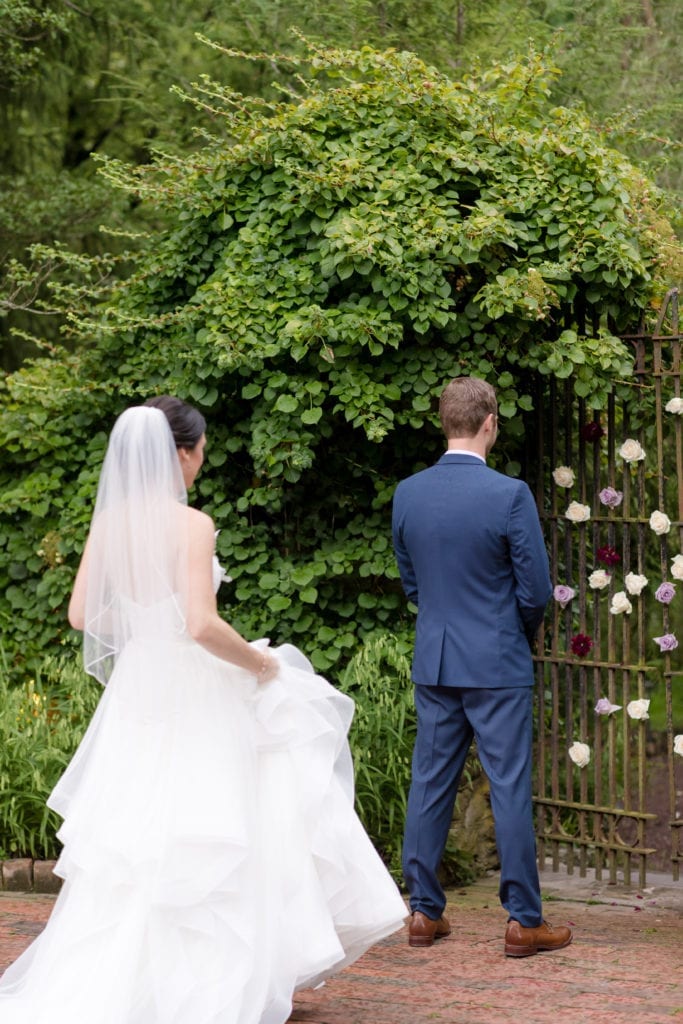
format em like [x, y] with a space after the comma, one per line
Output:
[471, 556]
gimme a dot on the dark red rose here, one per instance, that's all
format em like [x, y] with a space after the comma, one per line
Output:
[608, 556]
[581, 644]
[592, 431]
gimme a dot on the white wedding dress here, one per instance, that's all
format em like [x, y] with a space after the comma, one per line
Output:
[212, 860]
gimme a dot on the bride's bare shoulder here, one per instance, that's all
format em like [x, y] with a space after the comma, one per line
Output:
[198, 522]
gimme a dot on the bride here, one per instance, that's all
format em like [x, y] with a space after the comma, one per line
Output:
[212, 860]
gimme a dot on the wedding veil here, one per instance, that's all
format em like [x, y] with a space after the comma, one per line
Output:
[137, 559]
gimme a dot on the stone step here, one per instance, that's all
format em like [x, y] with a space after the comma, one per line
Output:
[21, 874]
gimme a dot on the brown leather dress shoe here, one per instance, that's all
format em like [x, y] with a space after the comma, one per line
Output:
[422, 930]
[520, 941]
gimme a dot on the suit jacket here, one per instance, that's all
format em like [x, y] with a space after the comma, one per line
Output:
[471, 556]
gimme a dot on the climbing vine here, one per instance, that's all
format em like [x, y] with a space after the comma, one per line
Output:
[323, 265]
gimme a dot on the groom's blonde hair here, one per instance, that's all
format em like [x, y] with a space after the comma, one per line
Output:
[464, 405]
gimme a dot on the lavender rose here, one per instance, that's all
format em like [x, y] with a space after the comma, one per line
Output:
[610, 497]
[563, 594]
[665, 593]
[667, 642]
[605, 707]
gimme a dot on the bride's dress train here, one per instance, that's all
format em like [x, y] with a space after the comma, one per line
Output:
[212, 860]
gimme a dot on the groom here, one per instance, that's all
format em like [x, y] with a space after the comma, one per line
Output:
[471, 556]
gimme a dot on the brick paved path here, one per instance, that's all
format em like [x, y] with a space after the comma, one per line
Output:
[624, 967]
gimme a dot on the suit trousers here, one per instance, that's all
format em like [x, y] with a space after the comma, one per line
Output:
[500, 719]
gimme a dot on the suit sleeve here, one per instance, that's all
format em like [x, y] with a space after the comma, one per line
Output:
[529, 560]
[405, 565]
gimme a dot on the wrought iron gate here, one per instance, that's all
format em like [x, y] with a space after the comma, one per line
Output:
[608, 785]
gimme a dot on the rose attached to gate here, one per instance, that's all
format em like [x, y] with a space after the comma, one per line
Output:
[665, 592]
[580, 753]
[581, 644]
[638, 709]
[620, 604]
[660, 522]
[635, 583]
[605, 707]
[611, 497]
[592, 431]
[667, 642]
[632, 451]
[578, 513]
[599, 579]
[563, 476]
[608, 555]
[563, 594]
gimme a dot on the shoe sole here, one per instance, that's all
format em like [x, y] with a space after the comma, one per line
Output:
[425, 940]
[532, 950]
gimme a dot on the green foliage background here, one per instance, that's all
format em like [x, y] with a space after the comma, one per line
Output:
[84, 80]
[330, 261]
[308, 268]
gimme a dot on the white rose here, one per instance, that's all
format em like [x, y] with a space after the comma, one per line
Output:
[659, 522]
[638, 709]
[578, 513]
[563, 476]
[677, 567]
[620, 604]
[580, 754]
[635, 583]
[632, 451]
[675, 405]
[678, 744]
[599, 579]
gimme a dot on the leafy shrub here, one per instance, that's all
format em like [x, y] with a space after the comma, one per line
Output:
[329, 263]
[381, 739]
[41, 724]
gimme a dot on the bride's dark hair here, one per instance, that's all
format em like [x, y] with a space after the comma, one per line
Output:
[186, 423]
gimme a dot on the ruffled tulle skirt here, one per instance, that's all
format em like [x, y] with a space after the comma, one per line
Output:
[212, 860]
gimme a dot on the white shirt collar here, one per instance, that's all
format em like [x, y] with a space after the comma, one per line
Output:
[464, 451]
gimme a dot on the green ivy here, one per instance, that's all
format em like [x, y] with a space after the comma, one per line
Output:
[330, 263]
